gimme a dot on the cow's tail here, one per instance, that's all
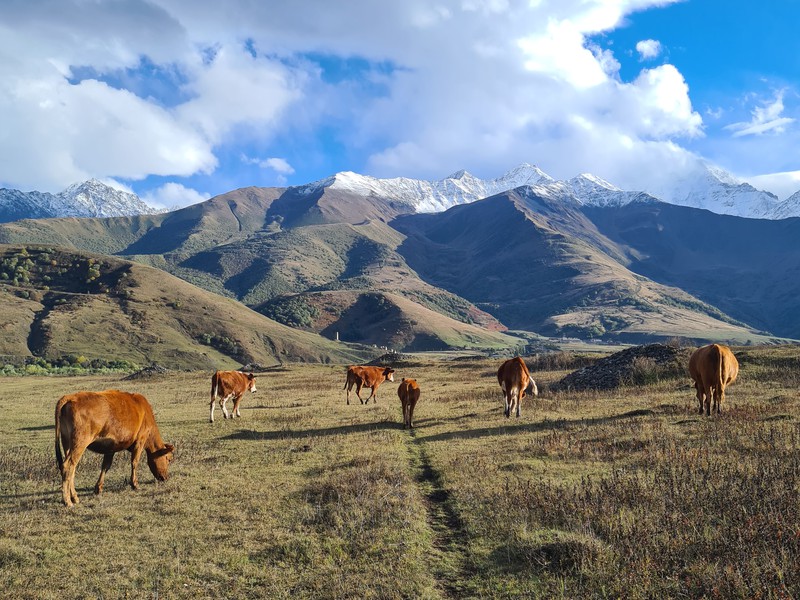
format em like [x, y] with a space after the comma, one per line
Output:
[214, 386]
[346, 379]
[59, 456]
[716, 356]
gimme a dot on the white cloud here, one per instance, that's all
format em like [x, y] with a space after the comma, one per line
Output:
[458, 84]
[279, 165]
[173, 195]
[648, 49]
[782, 184]
[766, 117]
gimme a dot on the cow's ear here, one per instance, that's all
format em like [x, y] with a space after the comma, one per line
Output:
[390, 370]
[251, 376]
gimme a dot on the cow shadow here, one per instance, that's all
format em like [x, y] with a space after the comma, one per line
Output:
[502, 429]
[548, 425]
[37, 428]
[283, 434]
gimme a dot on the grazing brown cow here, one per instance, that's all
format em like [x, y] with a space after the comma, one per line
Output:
[712, 368]
[370, 377]
[409, 394]
[230, 384]
[515, 379]
[107, 422]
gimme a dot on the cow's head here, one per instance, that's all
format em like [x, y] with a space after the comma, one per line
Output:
[532, 389]
[251, 382]
[159, 460]
[388, 373]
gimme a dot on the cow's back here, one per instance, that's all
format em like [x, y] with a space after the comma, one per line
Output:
[513, 373]
[371, 375]
[408, 390]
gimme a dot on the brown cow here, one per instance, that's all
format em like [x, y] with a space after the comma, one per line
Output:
[712, 368]
[107, 422]
[515, 379]
[409, 394]
[370, 377]
[230, 384]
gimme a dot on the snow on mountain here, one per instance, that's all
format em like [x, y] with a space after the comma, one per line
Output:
[88, 199]
[462, 187]
[431, 196]
[708, 187]
[788, 208]
[716, 190]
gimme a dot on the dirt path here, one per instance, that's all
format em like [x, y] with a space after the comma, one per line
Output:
[449, 552]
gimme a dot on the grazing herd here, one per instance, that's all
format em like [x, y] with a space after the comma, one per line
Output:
[111, 421]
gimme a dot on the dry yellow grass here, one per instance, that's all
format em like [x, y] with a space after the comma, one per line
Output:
[586, 495]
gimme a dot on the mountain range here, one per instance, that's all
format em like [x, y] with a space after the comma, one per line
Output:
[707, 187]
[412, 265]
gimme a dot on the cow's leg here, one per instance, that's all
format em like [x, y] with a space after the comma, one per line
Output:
[405, 414]
[506, 403]
[222, 404]
[707, 400]
[359, 385]
[68, 492]
[213, 401]
[373, 395]
[411, 406]
[520, 396]
[719, 397]
[348, 386]
[107, 460]
[236, 400]
[699, 394]
[136, 455]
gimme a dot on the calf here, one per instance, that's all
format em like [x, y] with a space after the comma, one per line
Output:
[712, 368]
[107, 422]
[370, 377]
[230, 384]
[515, 380]
[409, 394]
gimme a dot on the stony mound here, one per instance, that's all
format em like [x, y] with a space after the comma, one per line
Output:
[633, 366]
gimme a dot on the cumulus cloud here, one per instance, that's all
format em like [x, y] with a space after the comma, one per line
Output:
[648, 49]
[483, 86]
[173, 195]
[279, 165]
[765, 118]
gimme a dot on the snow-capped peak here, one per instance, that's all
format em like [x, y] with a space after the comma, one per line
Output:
[431, 196]
[90, 198]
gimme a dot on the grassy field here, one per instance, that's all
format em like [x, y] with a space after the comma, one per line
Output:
[621, 494]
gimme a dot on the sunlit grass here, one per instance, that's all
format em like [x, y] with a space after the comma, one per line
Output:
[627, 493]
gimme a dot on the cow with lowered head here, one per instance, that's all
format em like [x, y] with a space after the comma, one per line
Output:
[107, 422]
[371, 377]
[712, 368]
[515, 380]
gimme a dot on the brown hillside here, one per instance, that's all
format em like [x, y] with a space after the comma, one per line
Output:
[97, 306]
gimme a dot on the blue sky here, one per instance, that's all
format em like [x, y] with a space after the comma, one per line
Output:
[179, 100]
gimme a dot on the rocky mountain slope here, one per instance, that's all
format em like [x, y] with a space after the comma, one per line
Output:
[88, 199]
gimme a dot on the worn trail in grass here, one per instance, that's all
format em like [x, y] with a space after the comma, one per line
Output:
[449, 545]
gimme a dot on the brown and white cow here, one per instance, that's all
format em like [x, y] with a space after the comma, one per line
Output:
[712, 368]
[515, 380]
[409, 395]
[230, 384]
[107, 422]
[370, 377]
